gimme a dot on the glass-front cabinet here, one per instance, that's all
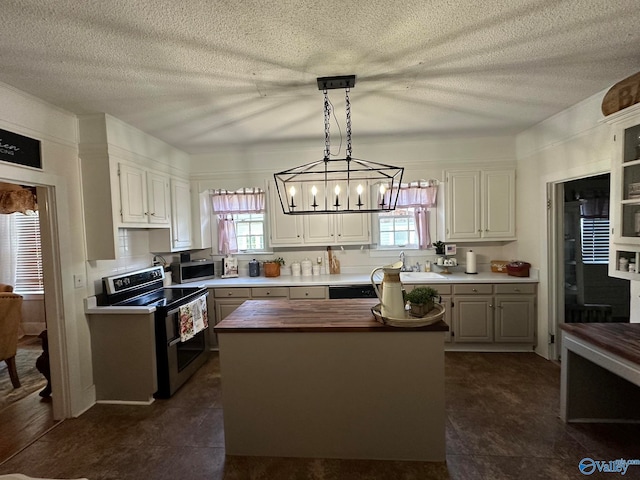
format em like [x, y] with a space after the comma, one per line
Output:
[625, 194]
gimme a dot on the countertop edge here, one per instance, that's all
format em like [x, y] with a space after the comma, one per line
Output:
[91, 308]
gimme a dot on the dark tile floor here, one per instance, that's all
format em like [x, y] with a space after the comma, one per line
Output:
[502, 423]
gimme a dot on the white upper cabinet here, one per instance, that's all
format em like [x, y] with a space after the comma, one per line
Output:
[144, 196]
[480, 205]
[283, 229]
[320, 229]
[178, 237]
[181, 214]
[625, 191]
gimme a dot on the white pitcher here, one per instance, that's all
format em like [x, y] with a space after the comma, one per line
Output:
[391, 299]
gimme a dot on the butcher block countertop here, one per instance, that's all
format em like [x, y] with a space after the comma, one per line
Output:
[338, 315]
[622, 339]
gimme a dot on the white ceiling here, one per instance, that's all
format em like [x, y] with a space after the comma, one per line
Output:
[204, 73]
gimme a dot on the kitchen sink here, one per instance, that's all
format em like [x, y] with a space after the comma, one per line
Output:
[419, 276]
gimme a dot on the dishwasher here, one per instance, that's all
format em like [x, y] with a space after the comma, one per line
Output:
[352, 291]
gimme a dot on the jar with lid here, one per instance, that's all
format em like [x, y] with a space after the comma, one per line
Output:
[295, 269]
[305, 266]
[254, 268]
[623, 264]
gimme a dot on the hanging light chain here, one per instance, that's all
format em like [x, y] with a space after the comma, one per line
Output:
[348, 128]
[327, 118]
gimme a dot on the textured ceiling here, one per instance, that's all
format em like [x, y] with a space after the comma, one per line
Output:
[203, 73]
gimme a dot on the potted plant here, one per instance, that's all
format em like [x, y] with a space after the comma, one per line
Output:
[439, 246]
[272, 267]
[421, 300]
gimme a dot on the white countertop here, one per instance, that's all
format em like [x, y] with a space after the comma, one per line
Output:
[356, 279]
[315, 280]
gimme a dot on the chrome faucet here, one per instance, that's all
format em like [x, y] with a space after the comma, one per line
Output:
[404, 266]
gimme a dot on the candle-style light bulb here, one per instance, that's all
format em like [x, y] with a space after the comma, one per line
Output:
[314, 192]
[359, 189]
[383, 190]
[337, 192]
[337, 189]
[292, 192]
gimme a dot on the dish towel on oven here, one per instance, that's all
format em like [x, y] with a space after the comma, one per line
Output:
[193, 318]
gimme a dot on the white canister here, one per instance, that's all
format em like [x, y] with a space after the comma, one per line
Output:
[295, 269]
[623, 264]
[306, 267]
[316, 270]
[168, 279]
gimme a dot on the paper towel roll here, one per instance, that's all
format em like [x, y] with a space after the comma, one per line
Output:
[471, 262]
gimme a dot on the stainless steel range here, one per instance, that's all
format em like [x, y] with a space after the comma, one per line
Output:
[181, 322]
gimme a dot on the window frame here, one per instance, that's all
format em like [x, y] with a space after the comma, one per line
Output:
[250, 220]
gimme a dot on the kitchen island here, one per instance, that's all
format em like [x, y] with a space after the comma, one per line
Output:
[600, 377]
[322, 378]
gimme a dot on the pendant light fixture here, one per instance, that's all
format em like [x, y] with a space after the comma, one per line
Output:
[343, 185]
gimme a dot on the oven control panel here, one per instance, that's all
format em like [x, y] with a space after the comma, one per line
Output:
[126, 281]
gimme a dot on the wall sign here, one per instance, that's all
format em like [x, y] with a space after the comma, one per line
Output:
[622, 95]
[19, 149]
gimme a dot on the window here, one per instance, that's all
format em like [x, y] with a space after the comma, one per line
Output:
[249, 231]
[595, 240]
[29, 254]
[397, 228]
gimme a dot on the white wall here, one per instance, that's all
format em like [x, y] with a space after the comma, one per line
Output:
[423, 158]
[68, 331]
[572, 144]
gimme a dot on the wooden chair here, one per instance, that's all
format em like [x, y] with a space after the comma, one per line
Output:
[10, 318]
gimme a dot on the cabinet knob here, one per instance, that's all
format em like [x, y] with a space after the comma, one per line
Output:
[306, 294]
[490, 305]
[339, 234]
[146, 213]
[230, 293]
[479, 230]
[516, 289]
[474, 289]
[268, 293]
[153, 214]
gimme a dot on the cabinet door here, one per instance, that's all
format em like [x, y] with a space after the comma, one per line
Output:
[181, 214]
[133, 194]
[498, 204]
[514, 318]
[462, 209]
[224, 308]
[353, 228]
[283, 229]
[158, 198]
[473, 319]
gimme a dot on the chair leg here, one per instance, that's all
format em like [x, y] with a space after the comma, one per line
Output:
[13, 372]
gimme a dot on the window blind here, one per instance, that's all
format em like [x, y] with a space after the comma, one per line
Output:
[595, 240]
[29, 255]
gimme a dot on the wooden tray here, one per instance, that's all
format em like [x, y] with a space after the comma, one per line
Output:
[433, 316]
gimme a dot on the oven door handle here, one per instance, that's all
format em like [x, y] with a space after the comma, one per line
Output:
[173, 342]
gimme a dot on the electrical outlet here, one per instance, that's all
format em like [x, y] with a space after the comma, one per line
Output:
[78, 281]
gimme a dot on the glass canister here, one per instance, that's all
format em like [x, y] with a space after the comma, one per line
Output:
[254, 268]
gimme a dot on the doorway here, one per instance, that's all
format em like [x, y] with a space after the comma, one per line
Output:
[584, 290]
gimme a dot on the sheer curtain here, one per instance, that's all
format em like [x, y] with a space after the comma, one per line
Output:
[421, 196]
[225, 204]
[8, 250]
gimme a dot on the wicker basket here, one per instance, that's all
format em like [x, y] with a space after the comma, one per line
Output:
[499, 266]
[271, 269]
